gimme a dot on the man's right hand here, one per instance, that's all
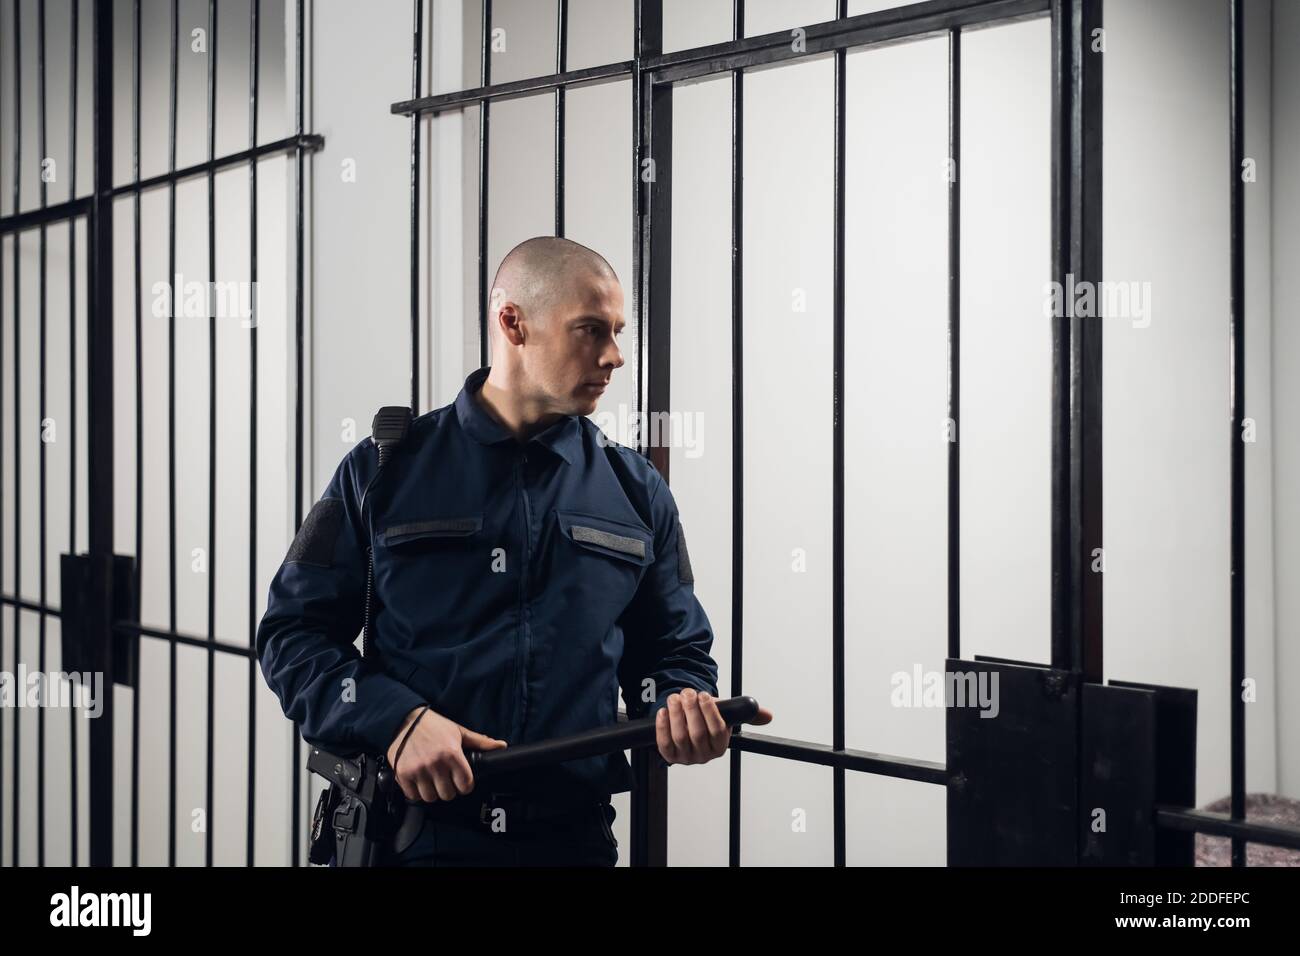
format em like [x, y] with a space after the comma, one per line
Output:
[433, 765]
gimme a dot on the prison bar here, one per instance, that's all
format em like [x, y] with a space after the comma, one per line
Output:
[417, 65]
[839, 109]
[18, 134]
[42, 414]
[735, 781]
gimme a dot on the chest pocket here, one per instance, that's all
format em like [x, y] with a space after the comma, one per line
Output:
[426, 570]
[600, 559]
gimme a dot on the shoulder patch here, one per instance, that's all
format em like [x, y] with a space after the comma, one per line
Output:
[314, 542]
[684, 574]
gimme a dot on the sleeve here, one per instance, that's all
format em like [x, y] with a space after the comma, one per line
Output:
[305, 641]
[667, 635]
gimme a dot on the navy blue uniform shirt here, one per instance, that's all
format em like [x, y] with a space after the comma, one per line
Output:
[517, 588]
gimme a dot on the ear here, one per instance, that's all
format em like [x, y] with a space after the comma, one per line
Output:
[509, 321]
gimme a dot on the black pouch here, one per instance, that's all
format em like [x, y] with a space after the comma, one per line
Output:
[321, 838]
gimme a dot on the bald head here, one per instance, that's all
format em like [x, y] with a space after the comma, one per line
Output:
[542, 272]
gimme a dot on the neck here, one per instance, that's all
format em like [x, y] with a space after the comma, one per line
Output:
[505, 402]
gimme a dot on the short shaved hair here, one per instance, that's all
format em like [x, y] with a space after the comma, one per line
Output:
[537, 273]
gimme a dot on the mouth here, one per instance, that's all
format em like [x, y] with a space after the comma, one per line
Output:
[595, 386]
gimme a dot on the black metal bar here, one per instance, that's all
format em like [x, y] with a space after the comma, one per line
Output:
[485, 72]
[100, 402]
[911, 22]
[189, 640]
[885, 765]
[485, 92]
[649, 799]
[139, 418]
[18, 425]
[837, 449]
[171, 449]
[734, 778]
[73, 762]
[417, 66]
[299, 475]
[954, 342]
[2, 639]
[14, 602]
[59, 212]
[212, 435]
[1226, 825]
[254, 45]
[561, 55]
[1237, 411]
[41, 389]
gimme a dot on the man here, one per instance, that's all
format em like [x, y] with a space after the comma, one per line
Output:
[525, 569]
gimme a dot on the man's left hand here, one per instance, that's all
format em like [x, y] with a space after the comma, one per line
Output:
[689, 728]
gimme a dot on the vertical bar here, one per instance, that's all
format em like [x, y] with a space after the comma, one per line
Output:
[1237, 411]
[485, 74]
[837, 438]
[212, 431]
[18, 424]
[139, 425]
[737, 424]
[954, 343]
[1086, 340]
[254, 45]
[417, 66]
[40, 494]
[171, 448]
[1060, 468]
[298, 475]
[72, 382]
[649, 799]
[561, 57]
[99, 354]
[2, 641]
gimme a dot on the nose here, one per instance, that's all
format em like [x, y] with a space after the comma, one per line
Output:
[612, 355]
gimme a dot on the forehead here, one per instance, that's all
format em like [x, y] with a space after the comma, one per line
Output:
[596, 296]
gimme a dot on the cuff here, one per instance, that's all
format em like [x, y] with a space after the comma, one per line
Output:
[382, 705]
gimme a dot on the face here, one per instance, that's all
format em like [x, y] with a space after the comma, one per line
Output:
[576, 347]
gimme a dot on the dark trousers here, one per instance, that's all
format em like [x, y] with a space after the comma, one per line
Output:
[586, 839]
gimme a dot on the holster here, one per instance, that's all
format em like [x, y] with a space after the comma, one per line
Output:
[357, 816]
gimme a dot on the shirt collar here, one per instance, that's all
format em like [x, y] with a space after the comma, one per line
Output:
[562, 437]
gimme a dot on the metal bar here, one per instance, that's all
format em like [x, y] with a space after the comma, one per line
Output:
[486, 93]
[298, 475]
[954, 342]
[41, 412]
[417, 66]
[649, 799]
[2, 639]
[254, 45]
[885, 765]
[561, 55]
[734, 778]
[100, 401]
[18, 425]
[171, 450]
[139, 418]
[906, 23]
[73, 762]
[485, 72]
[209, 791]
[837, 449]
[1225, 825]
[16, 603]
[190, 640]
[1237, 411]
[59, 212]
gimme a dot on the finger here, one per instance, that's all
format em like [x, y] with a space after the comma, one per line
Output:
[424, 785]
[409, 790]
[462, 776]
[479, 741]
[446, 788]
[719, 732]
[696, 728]
[663, 738]
[677, 729]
